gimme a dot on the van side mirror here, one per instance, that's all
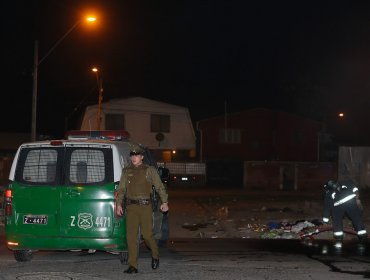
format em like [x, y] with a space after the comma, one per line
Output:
[164, 173]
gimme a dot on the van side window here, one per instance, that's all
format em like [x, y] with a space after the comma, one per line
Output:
[87, 166]
[40, 166]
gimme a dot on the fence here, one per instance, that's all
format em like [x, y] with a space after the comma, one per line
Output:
[253, 175]
[297, 176]
[186, 173]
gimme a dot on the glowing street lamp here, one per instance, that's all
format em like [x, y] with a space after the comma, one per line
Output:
[36, 63]
[99, 81]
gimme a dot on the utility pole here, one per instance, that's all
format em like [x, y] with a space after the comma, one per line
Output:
[36, 63]
[99, 81]
[100, 99]
[34, 90]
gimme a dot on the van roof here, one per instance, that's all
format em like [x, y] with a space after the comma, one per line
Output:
[98, 134]
[63, 142]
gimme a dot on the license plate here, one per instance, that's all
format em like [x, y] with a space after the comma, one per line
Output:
[35, 219]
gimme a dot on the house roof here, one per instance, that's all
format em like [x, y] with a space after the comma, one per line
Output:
[138, 104]
[255, 112]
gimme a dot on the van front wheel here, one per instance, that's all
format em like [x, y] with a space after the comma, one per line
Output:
[23, 255]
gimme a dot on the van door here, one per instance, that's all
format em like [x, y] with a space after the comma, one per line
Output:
[87, 199]
[36, 192]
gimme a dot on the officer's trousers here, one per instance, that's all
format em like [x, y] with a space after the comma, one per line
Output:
[139, 216]
[353, 212]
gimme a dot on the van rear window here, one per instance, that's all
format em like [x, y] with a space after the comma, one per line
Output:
[87, 166]
[65, 166]
[40, 166]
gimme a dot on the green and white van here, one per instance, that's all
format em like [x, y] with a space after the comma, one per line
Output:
[61, 196]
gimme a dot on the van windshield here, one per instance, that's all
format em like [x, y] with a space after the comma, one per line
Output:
[65, 166]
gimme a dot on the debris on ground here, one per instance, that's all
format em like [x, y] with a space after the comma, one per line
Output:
[286, 230]
[194, 227]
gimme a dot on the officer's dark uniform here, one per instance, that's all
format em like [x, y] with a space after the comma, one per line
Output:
[136, 183]
[340, 200]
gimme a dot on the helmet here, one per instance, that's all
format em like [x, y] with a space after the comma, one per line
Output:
[331, 185]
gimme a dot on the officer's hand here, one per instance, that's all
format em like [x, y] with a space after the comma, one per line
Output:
[119, 210]
[164, 207]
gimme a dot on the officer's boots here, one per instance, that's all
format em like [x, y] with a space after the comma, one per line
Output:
[155, 263]
[131, 270]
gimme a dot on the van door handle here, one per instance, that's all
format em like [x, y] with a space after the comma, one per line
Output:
[73, 193]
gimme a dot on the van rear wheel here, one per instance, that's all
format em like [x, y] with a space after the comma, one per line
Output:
[23, 255]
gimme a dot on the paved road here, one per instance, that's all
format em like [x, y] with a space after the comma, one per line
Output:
[202, 259]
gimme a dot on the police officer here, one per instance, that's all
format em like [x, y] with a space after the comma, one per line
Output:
[136, 184]
[342, 198]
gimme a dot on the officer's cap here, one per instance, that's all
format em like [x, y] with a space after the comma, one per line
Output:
[136, 151]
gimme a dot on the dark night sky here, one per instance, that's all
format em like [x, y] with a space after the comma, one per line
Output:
[306, 57]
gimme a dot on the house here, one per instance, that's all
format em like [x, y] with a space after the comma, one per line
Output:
[263, 149]
[259, 134]
[166, 129]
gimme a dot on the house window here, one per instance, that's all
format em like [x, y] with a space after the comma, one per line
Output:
[114, 121]
[160, 123]
[229, 136]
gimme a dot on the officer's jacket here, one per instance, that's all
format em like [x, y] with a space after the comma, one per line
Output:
[136, 183]
[333, 198]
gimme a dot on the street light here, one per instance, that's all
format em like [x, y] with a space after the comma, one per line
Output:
[36, 64]
[99, 81]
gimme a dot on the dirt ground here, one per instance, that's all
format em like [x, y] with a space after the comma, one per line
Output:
[210, 213]
[240, 214]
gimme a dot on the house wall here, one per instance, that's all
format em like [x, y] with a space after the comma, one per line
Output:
[137, 113]
[297, 138]
[265, 135]
[181, 135]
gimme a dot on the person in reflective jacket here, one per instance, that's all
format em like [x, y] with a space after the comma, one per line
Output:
[342, 198]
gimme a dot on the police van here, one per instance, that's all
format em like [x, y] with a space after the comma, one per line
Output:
[61, 195]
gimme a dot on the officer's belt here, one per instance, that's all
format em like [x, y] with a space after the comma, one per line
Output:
[140, 201]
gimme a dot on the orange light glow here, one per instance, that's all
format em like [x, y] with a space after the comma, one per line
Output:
[91, 19]
[8, 193]
[341, 115]
[12, 243]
